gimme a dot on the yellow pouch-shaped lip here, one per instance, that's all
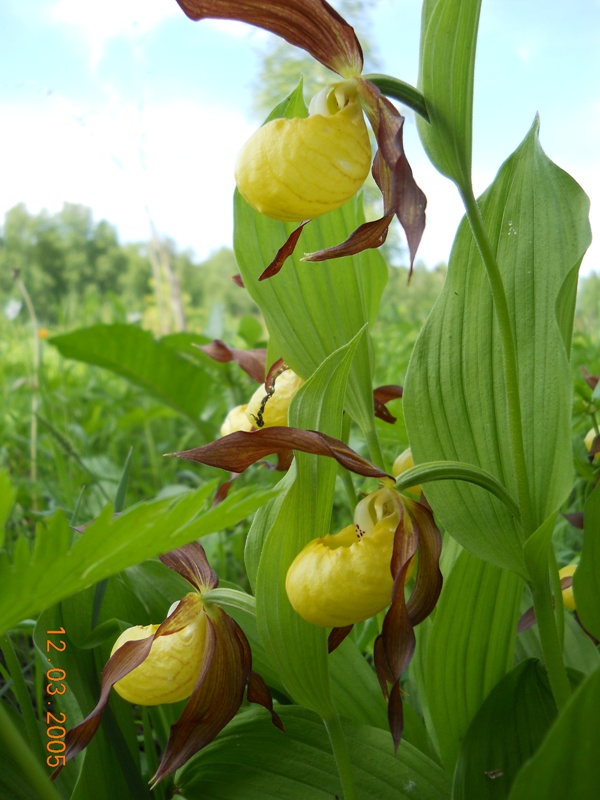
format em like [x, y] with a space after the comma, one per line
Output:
[171, 670]
[341, 579]
[403, 462]
[236, 420]
[297, 169]
[273, 410]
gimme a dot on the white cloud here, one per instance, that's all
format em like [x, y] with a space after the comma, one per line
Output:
[177, 160]
[97, 24]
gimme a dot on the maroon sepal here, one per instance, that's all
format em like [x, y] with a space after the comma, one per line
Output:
[284, 252]
[253, 362]
[576, 519]
[237, 451]
[594, 449]
[238, 280]
[391, 170]
[258, 692]
[191, 563]
[394, 647]
[312, 25]
[365, 237]
[383, 395]
[337, 636]
[591, 380]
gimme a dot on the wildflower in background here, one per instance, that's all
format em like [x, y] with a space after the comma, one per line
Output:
[592, 444]
[299, 169]
[566, 579]
[198, 651]
[43, 333]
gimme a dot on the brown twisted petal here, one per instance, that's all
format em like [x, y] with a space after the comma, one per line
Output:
[237, 451]
[251, 361]
[312, 25]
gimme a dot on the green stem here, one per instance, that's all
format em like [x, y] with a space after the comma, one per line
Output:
[374, 447]
[22, 695]
[341, 752]
[559, 608]
[399, 90]
[22, 757]
[550, 641]
[509, 354]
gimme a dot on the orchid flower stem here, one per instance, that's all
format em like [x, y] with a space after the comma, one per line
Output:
[509, 353]
[374, 447]
[21, 756]
[559, 608]
[550, 641]
[399, 90]
[540, 587]
[341, 753]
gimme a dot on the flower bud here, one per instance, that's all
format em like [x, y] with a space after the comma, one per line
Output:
[264, 410]
[403, 463]
[171, 670]
[236, 420]
[298, 169]
[567, 594]
[341, 579]
[589, 441]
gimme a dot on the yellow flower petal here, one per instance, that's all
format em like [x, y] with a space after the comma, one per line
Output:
[401, 464]
[273, 410]
[171, 670]
[297, 169]
[589, 440]
[236, 420]
[567, 594]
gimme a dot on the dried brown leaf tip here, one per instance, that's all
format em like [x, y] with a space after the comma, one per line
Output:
[198, 652]
[282, 178]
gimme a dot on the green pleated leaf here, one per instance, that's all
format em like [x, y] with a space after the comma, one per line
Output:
[251, 760]
[446, 71]
[311, 310]
[136, 355]
[470, 647]
[297, 649]
[454, 401]
[107, 546]
[586, 581]
[506, 732]
[567, 764]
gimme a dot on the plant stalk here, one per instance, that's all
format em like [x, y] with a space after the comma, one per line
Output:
[341, 753]
[22, 695]
[23, 758]
[509, 354]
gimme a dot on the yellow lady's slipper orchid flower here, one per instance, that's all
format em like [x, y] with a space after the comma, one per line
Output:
[171, 670]
[589, 441]
[269, 408]
[567, 594]
[236, 420]
[337, 580]
[401, 464]
[297, 169]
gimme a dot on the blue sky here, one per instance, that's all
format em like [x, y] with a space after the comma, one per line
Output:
[129, 107]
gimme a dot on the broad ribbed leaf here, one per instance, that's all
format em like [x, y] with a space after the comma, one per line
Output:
[251, 760]
[447, 64]
[567, 765]
[470, 647]
[506, 731]
[586, 581]
[455, 394]
[108, 546]
[136, 355]
[311, 310]
[296, 648]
